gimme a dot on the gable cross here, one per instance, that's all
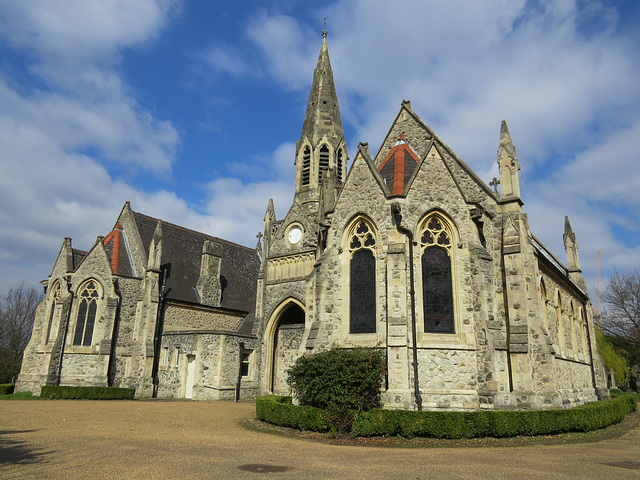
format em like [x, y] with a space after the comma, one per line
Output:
[494, 183]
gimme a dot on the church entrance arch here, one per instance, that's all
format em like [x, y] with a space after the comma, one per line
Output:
[285, 332]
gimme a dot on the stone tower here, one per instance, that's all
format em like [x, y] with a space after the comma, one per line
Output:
[291, 246]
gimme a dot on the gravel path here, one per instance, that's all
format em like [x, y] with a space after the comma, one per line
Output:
[201, 440]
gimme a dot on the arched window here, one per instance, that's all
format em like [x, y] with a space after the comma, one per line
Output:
[362, 289]
[437, 277]
[323, 163]
[545, 303]
[572, 328]
[86, 314]
[583, 333]
[561, 339]
[306, 165]
[339, 165]
[55, 294]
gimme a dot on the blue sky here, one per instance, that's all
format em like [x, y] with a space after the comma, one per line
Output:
[190, 109]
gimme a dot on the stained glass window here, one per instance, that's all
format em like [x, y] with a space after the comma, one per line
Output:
[86, 315]
[437, 280]
[363, 280]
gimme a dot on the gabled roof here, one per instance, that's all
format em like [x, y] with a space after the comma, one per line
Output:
[78, 257]
[423, 139]
[182, 252]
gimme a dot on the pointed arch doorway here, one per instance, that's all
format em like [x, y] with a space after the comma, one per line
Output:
[285, 332]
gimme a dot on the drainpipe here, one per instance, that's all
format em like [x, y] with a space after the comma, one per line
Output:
[397, 216]
[593, 372]
[241, 351]
[157, 338]
[111, 368]
[64, 338]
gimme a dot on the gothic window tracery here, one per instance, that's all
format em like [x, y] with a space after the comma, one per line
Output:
[86, 316]
[437, 278]
[55, 295]
[362, 288]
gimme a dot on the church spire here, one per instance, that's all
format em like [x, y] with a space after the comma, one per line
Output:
[321, 145]
[323, 114]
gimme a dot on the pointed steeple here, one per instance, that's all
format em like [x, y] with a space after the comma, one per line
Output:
[509, 166]
[321, 145]
[571, 249]
[155, 249]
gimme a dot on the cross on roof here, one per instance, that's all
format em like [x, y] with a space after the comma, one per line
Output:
[494, 183]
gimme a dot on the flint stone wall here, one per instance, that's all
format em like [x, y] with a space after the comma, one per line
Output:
[183, 318]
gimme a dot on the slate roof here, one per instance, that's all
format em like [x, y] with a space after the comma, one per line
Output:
[182, 250]
[78, 256]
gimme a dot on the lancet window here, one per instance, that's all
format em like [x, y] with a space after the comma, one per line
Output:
[86, 317]
[323, 163]
[55, 294]
[362, 288]
[437, 277]
[560, 322]
[545, 305]
[306, 165]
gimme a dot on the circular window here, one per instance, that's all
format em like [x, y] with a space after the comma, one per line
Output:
[295, 234]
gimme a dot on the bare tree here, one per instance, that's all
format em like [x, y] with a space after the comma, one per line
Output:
[621, 317]
[17, 312]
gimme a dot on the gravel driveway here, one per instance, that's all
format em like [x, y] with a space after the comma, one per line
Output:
[202, 440]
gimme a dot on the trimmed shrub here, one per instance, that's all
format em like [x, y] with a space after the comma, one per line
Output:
[614, 392]
[279, 411]
[492, 423]
[87, 393]
[6, 388]
[340, 381]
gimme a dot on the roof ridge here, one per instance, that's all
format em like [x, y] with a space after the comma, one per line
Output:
[185, 229]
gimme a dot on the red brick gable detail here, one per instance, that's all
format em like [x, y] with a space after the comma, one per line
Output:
[115, 253]
[399, 163]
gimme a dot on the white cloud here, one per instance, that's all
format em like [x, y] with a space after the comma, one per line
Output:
[82, 31]
[235, 209]
[228, 59]
[290, 55]
[62, 129]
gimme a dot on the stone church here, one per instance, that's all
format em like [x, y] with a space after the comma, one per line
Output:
[407, 251]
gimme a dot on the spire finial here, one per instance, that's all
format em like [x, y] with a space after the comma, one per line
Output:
[324, 27]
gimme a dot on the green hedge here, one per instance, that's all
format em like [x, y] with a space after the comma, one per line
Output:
[88, 393]
[7, 388]
[492, 423]
[279, 411]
